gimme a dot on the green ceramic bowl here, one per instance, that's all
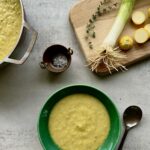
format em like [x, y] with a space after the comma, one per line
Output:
[115, 129]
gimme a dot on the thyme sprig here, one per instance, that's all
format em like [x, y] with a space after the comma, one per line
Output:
[90, 27]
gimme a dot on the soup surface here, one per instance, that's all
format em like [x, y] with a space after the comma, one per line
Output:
[10, 26]
[79, 122]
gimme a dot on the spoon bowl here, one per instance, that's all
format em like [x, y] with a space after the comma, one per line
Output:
[132, 116]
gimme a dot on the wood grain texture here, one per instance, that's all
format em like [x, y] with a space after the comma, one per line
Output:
[81, 13]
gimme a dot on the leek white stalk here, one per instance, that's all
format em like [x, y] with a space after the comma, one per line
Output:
[108, 54]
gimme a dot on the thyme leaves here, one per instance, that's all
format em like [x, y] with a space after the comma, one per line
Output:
[101, 9]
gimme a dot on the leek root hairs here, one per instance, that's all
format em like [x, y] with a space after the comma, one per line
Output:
[109, 56]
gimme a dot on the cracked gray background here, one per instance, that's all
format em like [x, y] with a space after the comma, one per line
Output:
[24, 89]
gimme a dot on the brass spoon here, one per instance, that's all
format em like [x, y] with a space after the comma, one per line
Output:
[131, 117]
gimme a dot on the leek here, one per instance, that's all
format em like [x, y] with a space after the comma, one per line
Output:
[108, 54]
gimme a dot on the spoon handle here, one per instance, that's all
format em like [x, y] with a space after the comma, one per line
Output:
[123, 139]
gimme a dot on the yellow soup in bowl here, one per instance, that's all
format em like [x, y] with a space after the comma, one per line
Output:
[10, 26]
[79, 122]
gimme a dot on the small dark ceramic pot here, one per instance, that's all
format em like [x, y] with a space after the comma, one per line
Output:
[52, 52]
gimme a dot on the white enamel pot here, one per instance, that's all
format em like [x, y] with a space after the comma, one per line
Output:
[25, 25]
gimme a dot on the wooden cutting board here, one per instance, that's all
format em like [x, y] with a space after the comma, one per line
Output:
[82, 12]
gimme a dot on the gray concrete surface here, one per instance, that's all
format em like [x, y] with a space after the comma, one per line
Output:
[24, 89]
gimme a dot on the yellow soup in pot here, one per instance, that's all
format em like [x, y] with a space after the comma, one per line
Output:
[10, 26]
[79, 122]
